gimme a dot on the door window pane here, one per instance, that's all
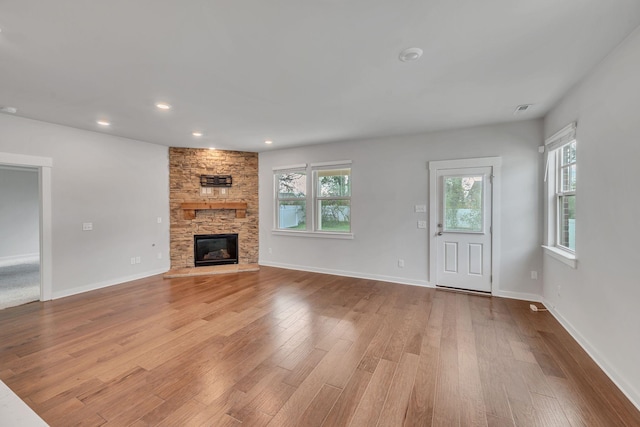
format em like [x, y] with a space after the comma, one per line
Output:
[463, 203]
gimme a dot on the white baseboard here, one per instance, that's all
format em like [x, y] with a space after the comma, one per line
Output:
[625, 387]
[357, 275]
[523, 296]
[19, 259]
[106, 283]
[402, 280]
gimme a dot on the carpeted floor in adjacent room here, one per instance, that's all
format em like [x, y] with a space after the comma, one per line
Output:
[19, 284]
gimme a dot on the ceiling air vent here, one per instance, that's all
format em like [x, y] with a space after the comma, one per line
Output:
[522, 108]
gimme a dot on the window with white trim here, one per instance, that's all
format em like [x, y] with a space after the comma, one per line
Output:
[566, 196]
[291, 198]
[320, 205]
[332, 199]
[561, 189]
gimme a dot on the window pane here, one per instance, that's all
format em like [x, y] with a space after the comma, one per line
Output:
[334, 215]
[567, 220]
[334, 183]
[463, 203]
[569, 153]
[569, 178]
[292, 214]
[292, 185]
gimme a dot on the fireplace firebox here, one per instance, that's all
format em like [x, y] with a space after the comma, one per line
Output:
[215, 249]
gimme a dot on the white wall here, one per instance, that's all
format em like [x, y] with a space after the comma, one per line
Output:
[120, 185]
[19, 213]
[598, 301]
[390, 176]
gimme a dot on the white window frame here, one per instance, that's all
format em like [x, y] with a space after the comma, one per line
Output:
[559, 194]
[553, 148]
[301, 168]
[312, 200]
[318, 167]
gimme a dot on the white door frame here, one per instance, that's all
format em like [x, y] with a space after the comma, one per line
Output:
[43, 165]
[495, 163]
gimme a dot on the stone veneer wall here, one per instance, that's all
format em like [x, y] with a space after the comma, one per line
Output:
[185, 167]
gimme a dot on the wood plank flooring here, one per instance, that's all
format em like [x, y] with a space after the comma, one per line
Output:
[286, 348]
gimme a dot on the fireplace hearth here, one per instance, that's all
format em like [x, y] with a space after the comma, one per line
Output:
[215, 249]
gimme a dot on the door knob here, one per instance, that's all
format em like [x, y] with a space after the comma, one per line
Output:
[439, 233]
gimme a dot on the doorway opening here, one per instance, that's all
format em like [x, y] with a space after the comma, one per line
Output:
[38, 263]
[20, 229]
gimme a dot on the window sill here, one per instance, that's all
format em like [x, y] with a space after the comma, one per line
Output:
[562, 256]
[321, 234]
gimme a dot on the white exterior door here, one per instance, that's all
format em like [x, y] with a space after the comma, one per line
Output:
[463, 228]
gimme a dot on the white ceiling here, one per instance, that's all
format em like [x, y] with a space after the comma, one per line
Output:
[294, 71]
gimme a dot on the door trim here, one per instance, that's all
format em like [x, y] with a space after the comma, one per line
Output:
[43, 165]
[495, 164]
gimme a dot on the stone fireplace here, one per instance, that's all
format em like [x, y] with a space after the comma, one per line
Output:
[199, 211]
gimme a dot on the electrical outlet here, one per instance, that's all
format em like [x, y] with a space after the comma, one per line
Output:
[159, 220]
[87, 226]
[534, 275]
[137, 260]
[422, 224]
[133, 260]
[400, 263]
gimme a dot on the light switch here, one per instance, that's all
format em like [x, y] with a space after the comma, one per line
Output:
[87, 226]
[421, 208]
[422, 224]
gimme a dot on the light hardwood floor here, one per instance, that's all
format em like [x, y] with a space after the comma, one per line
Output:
[287, 348]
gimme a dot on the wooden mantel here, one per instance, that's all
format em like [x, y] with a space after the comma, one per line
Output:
[191, 208]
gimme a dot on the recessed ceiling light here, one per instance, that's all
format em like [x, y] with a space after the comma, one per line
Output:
[163, 106]
[103, 123]
[268, 142]
[196, 133]
[410, 54]
[9, 110]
